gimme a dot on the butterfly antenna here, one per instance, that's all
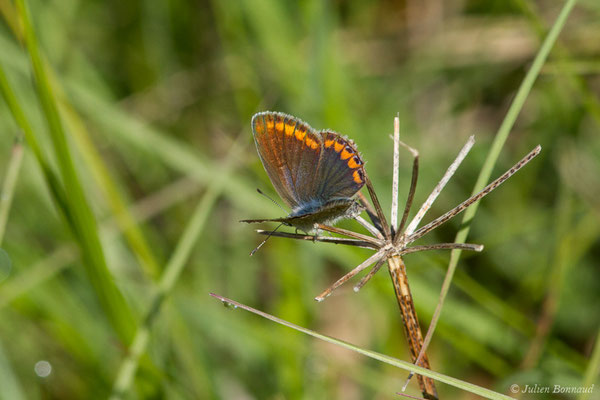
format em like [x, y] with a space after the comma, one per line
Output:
[270, 198]
[268, 236]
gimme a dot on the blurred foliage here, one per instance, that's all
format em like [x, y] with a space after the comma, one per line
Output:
[156, 97]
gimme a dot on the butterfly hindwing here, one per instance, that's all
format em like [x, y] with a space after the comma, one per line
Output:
[341, 170]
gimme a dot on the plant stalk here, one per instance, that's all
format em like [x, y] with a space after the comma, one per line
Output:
[412, 329]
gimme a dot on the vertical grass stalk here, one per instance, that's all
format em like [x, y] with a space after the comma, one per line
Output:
[8, 186]
[83, 222]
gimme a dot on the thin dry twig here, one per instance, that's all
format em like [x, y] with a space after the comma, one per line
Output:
[372, 229]
[326, 239]
[463, 206]
[440, 186]
[352, 234]
[375, 257]
[413, 186]
[396, 171]
[369, 275]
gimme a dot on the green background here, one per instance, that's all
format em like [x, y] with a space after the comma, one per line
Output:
[156, 100]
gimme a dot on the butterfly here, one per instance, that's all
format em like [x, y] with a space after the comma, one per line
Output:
[316, 173]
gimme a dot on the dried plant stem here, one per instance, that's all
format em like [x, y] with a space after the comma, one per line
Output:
[395, 173]
[370, 212]
[443, 246]
[375, 257]
[411, 323]
[411, 190]
[440, 186]
[345, 232]
[380, 215]
[373, 230]
[326, 239]
[371, 273]
[462, 206]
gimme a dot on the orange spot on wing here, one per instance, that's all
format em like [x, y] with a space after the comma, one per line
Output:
[270, 123]
[311, 143]
[328, 143]
[345, 154]
[279, 126]
[300, 133]
[352, 163]
[357, 177]
[338, 147]
[289, 129]
[259, 125]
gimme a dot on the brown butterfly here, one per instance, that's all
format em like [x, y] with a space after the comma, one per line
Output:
[316, 173]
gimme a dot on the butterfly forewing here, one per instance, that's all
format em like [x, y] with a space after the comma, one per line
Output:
[290, 151]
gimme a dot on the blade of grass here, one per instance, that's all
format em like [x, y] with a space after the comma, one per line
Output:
[492, 157]
[469, 387]
[593, 369]
[10, 16]
[56, 188]
[38, 273]
[112, 194]
[172, 271]
[8, 186]
[11, 388]
[84, 223]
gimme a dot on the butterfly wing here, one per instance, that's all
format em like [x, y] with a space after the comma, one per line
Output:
[341, 171]
[290, 151]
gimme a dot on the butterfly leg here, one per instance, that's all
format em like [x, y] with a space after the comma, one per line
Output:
[317, 232]
[306, 233]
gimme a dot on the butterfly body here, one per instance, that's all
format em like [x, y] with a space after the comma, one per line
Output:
[316, 173]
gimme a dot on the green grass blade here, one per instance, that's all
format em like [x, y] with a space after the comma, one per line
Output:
[84, 224]
[11, 388]
[8, 186]
[126, 221]
[593, 369]
[56, 188]
[489, 394]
